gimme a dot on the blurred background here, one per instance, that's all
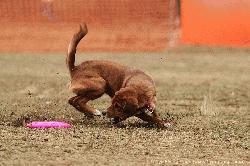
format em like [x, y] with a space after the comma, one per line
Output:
[197, 51]
[123, 25]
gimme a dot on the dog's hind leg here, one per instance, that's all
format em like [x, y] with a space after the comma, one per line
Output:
[74, 102]
[80, 103]
[96, 90]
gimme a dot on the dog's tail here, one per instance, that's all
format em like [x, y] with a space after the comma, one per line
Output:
[70, 60]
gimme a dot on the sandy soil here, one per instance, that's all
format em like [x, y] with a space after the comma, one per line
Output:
[207, 92]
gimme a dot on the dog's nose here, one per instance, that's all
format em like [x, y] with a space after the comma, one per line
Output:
[115, 120]
[104, 113]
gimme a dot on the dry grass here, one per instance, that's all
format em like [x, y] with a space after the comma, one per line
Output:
[207, 92]
[208, 106]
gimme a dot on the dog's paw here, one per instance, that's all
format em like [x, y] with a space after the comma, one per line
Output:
[167, 125]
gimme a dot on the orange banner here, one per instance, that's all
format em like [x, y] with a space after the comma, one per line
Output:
[216, 22]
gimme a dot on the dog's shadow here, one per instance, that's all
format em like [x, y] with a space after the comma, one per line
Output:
[129, 124]
[102, 122]
[136, 125]
[143, 125]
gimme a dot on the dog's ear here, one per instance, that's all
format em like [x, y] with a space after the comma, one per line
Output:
[121, 92]
[126, 97]
[131, 102]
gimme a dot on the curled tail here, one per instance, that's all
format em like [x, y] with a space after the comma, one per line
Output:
[70, 60]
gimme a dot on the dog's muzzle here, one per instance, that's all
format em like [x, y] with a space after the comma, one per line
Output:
[147, 109]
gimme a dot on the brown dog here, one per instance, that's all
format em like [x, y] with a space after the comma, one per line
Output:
[132, 91]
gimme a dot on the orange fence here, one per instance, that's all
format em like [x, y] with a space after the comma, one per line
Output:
[216, 22]
[114, 25]
[122, 25]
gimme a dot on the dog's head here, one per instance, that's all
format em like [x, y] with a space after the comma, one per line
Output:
[124, 105]
[127, 102]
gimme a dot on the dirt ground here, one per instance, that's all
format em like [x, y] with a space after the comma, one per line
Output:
[206, 91]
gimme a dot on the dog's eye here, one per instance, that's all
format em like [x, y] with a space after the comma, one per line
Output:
[116, 105]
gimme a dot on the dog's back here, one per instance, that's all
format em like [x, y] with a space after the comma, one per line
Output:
[113, 73]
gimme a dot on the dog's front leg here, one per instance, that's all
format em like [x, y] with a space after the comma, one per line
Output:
[152, 118]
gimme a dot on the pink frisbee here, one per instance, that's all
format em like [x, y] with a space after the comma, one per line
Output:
[48, 124]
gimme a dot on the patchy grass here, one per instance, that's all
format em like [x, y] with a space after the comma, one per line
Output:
[208, 107]
[207, 92]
